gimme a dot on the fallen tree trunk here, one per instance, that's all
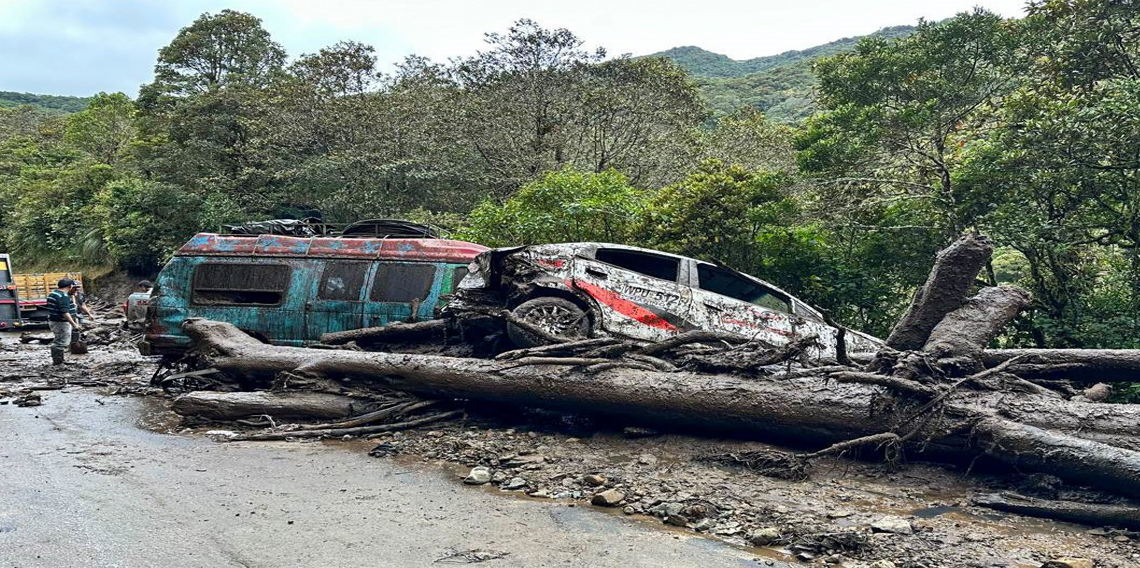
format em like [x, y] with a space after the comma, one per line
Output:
[1097, 514]
[965, 332]
[287, 406]
[1067, 457]
[1093, 365]
[808, 410]
[394, 332]
[1113, 424]
[353, 431]
[945, 290]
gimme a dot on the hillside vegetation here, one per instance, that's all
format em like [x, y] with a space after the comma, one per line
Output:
[781, 86]
[1026, 130]
[48, 103]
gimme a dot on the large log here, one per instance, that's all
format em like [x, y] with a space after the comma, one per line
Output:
[393, 332]
[287, 406]
[1068, 457]
[1098, 514]
[1113, 424]
[954, 271]
[966, 331]
[1094, 365]
[810, 410]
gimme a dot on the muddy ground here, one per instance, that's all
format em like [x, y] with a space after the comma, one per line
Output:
[849, 513]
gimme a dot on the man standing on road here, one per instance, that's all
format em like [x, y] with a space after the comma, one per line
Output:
[82, 310]
[61, 319]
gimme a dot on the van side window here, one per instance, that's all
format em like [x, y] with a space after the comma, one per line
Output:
[657, 266]
[240, 283]
[457, 276]
[342, 280]
[727, 283]
[402, 282]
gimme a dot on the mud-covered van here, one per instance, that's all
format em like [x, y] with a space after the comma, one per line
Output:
[288, 290]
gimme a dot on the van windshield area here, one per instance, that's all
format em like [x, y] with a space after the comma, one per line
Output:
[727, 283]
[240, 283]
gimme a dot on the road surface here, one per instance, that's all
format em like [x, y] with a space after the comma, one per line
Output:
[82, 484]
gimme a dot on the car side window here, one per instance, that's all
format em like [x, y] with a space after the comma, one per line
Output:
[402, 282]
[655, 265]
[240, 283]
[728, 283]
[342, 280]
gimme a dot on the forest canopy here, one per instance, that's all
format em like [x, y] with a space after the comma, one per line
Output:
[1025, 129]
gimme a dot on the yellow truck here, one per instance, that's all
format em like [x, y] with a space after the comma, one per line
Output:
[23, 296]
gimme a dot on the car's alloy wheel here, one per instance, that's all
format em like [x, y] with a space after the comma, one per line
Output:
[556, 316]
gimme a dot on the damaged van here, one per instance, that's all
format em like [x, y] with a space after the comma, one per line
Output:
[588, 289]
[289, 289]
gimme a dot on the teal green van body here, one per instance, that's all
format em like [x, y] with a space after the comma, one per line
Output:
[291, 290]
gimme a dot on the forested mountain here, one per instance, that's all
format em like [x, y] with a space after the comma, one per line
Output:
[48, 103]
[779, 85]
[700, 62]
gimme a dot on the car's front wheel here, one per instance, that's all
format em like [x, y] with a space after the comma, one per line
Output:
[556, 316]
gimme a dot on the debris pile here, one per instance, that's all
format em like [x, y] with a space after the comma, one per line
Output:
[934, 392]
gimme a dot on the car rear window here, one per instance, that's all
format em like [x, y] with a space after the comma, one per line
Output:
[657, 266]
[240, 283]
[342, 280]
[728, 283]
[402, 282]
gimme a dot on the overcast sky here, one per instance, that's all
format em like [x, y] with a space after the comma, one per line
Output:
[79, 47]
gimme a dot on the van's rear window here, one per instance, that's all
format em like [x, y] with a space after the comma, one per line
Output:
[240, 283]
[402, 282]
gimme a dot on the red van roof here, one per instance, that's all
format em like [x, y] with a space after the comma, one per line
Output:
[431, 250]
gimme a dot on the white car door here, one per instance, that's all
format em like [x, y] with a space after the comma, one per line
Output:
[638, 293]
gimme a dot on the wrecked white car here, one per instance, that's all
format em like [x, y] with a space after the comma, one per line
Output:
[595, 289]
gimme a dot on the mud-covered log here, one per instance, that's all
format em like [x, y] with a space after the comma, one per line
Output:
[1069, 457]
[1114, 424]
[394, 332]
[810, 411]
[1099, 365]
[966, 331]
[288, 406]
[944, 291]
[1098, 514]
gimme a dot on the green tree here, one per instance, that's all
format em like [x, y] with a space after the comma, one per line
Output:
[896, 115]
[1065, 164]
[143, 222]
[563, 206]
[195, 118]
[217, 50]
[717, 212]
[105, 129]
[746, 137]
[537, 101]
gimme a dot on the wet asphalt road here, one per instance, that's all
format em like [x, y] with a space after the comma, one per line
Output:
[81, 484]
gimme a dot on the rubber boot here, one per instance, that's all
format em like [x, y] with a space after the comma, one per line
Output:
[56, 356]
